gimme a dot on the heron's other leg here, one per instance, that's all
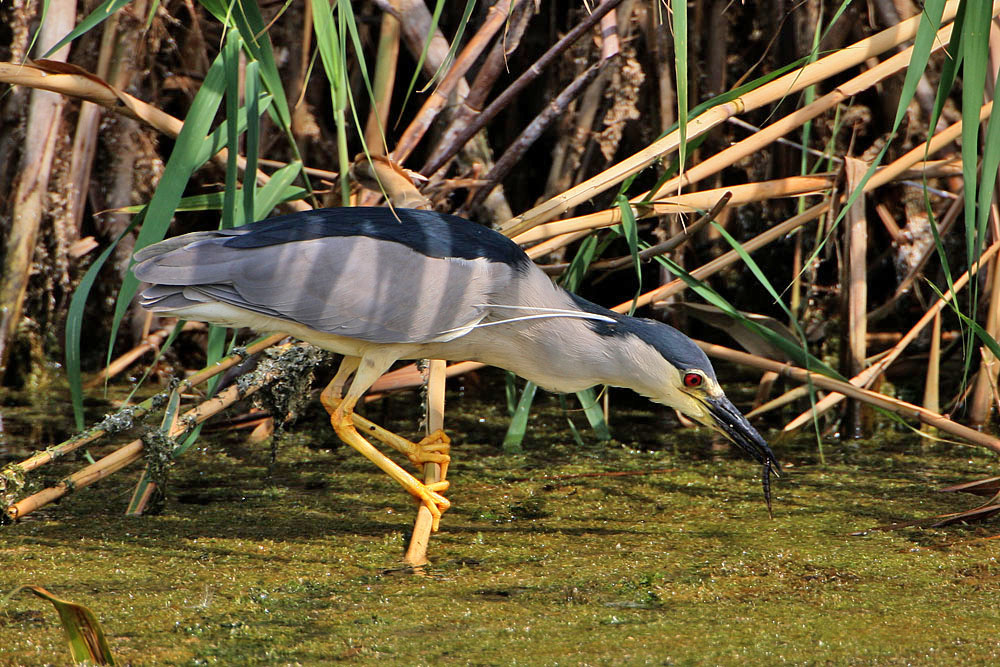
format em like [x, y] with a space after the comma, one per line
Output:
[334, 391]
[432, 449]
[343, 419]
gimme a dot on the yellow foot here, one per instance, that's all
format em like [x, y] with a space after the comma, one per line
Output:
[432, 449]
[436, 504]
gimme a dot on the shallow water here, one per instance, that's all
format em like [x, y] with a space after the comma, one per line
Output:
[296, 561]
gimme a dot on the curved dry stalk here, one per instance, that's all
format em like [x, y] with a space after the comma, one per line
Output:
[896, 406]
[74, 81]
[781, 87]
[868, 375]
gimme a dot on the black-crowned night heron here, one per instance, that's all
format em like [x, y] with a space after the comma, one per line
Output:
[378, 285]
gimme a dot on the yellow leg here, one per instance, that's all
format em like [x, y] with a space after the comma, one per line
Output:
[434, 448]
[343, 420]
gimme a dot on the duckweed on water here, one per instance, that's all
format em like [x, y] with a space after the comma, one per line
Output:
[296, 562]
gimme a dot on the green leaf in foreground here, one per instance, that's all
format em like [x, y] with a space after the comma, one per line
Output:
[87, 643]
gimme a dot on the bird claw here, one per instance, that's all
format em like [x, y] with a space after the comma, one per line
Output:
[435, 503]
[432, 449]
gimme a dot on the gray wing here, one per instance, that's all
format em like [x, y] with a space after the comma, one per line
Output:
[351, 286]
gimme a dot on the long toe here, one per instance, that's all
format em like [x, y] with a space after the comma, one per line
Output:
[434, 448]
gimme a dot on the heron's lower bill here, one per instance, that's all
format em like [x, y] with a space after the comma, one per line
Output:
[735, 426]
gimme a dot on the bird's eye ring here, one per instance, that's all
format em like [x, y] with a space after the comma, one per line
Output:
[693, 380]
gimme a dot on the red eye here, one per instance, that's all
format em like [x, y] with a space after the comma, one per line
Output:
[692, 380]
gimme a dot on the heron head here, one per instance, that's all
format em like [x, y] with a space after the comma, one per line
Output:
[690, 386]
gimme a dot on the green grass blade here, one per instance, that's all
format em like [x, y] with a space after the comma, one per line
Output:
[989, 167]
[247, 19]
[630, 230]
[74, 322]
[212, 201]
[975, 50]
[679, 8]
[231, 63]
[510, 392]
[519, 422]
[93, 19]
[431, 31]
[580, 263]
[594, 413]
[328, 40]
[277, 190]
[251, 94]
[216, 141]
[180, 165]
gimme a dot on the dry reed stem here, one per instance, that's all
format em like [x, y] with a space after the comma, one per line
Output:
[150, 343]
[897, 169]
[982, 395]
[779, 401]
[672, 243]
[803, 376]
[181, 425]
[792, 186]
[416, 552]
[42, 130]
[764, 137]
[932, 389]
[778, 231]
[530, 134]
[494, 65]
[496, 16]
[415, 22]
[74, 81]
[856, 269]
[409, 376]
[781, 87]
[51, 453]
[132, 452]
[513, 90]
[385, 79]
[555, 243]
[400, 191]
[902, 167]
[865, 377]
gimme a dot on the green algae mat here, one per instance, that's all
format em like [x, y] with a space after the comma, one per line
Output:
[545, 558]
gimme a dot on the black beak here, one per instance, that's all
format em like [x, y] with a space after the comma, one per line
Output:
[735, 426]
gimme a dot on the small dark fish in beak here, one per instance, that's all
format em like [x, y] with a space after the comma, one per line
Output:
[738, 430]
